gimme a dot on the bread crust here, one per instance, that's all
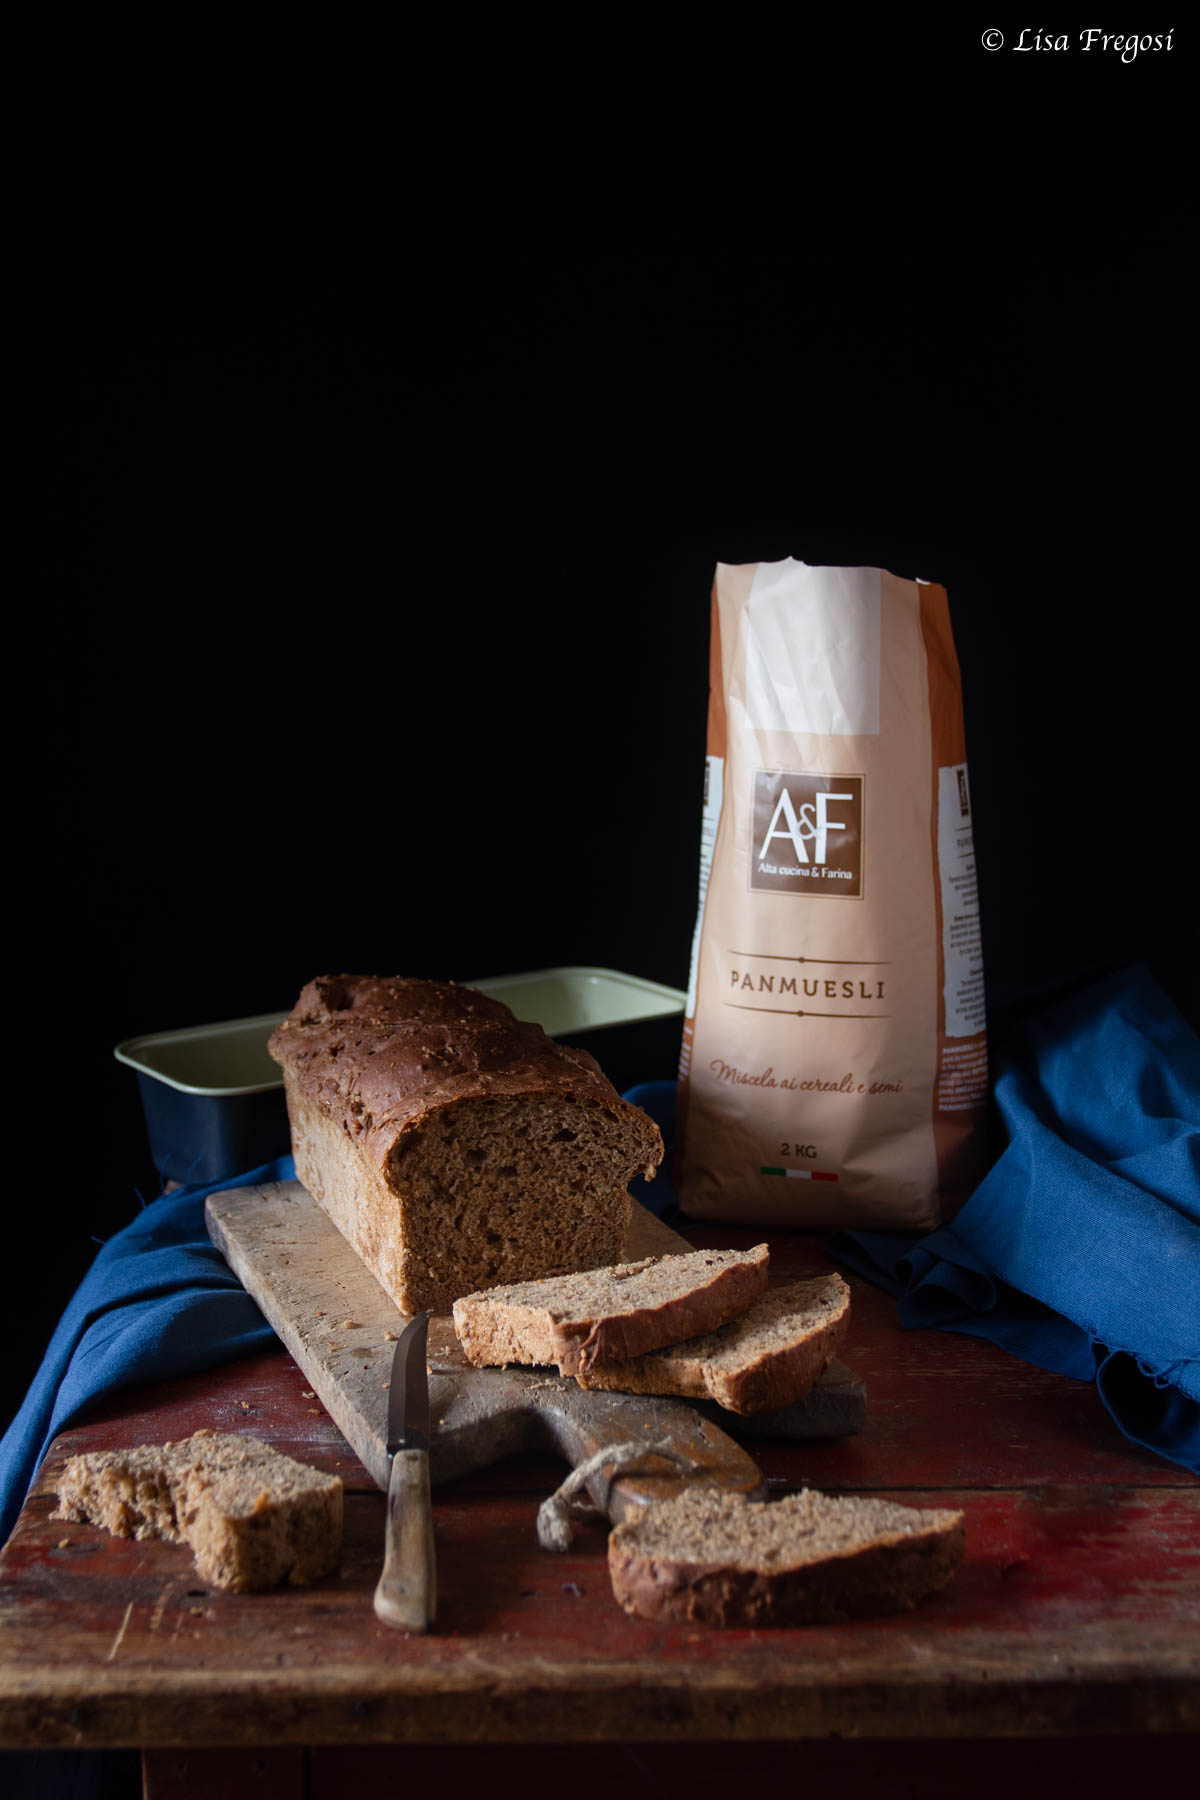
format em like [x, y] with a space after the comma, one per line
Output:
[766, 1381]
[379, 1055]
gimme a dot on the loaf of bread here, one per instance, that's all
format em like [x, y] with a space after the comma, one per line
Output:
[252, 1517]
[769, 1357]
[709, 1558]
[581, 1321]
[452, 1144]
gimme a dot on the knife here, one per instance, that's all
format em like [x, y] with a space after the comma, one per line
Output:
[406, 1596]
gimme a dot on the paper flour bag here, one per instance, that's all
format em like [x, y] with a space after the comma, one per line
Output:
[834, 1061]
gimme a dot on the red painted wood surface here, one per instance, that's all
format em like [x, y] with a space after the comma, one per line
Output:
[1077, 1608]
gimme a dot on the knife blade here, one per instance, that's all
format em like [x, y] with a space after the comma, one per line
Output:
[406, 1595]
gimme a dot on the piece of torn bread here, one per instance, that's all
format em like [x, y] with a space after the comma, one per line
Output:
[252, 1516]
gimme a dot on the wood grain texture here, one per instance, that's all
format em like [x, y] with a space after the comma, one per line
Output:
[1076, 1610]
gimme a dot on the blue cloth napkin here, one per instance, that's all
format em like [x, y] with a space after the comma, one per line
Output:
[159, 1301]
[1080, 1250]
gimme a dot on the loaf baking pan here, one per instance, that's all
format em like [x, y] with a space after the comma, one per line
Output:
[213, 1098]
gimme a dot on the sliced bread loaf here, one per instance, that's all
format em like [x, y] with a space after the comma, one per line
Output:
[580, 1321]
[452, 1144]
[769, 1357]
[251, 1516]
[709, 1558]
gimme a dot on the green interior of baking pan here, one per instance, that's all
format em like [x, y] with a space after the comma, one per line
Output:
[231, 1057]
[570, 1000]
[224, 1059]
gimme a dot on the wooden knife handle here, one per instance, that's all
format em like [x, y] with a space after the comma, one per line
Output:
[406, 1596]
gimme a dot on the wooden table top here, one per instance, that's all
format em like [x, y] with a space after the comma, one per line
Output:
[1076, 1610]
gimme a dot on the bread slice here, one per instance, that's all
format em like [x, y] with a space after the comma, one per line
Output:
[252, 1516]
[709, 1558]
[768, 1358]
[604, 1315]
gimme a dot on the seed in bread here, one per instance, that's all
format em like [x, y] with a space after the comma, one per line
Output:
[605, 1315]
[710, 1558]
[770, 1357]
[452, 1144]
[252, 1516]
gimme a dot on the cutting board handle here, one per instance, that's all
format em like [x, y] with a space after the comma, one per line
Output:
[579, 1428]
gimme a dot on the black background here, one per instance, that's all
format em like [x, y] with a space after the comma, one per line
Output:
[381, 553]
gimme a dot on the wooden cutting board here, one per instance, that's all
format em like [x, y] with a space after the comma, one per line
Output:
[342, 1327]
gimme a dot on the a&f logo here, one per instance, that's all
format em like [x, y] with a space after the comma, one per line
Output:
[807, 834]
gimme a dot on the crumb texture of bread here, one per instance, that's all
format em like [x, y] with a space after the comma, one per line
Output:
[709, 1558]
[452, 1144]
[604, 1315]
[252, 1517]
[768, 1358]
